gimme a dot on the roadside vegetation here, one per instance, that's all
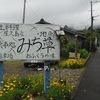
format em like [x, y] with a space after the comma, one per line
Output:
[16, 87]
[20, 88]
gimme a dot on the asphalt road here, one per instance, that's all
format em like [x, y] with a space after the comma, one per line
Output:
[89, 87]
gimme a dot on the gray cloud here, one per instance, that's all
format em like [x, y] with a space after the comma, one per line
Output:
[74, 13]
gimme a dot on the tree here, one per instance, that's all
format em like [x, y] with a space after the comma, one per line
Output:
[89, 44]
[63, 47]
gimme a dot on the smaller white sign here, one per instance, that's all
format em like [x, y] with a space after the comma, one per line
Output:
[59, 32]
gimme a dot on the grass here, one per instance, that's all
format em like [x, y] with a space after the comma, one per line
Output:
[13, 63]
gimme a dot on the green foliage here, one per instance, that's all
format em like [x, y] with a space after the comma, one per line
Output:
[63, 41]
[59, 92]
[72, 63]
[84, 53]
[64, 52]
[89, 43]
[13, 63]
[17, 94]
[71, 46]
[63, 47]
[98, 33]
[86, 44]
[20, 88]
[7, 96]
[63, 64]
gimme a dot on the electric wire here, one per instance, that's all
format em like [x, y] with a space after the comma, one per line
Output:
[33, 12]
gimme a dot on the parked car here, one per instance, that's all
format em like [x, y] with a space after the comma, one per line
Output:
[36, 64]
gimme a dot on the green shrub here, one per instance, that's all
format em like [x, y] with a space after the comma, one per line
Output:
[38, 83]
[63, 47]
[7, 96]
[17, 94]
[71, 46]
[20, 88]
[84, 53]
[72, 63]
[63, 64]
[64, 52]
[59, 92]
[25, 83]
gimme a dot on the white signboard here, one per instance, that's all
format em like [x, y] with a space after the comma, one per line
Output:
[29, 42]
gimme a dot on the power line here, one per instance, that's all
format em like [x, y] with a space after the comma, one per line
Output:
[24, 11]
[32, 10]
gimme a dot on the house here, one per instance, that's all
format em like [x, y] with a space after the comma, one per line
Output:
[73, 34]
[42, 21]
[70, 33]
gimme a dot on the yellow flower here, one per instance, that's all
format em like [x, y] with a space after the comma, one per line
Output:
[69, 90]
[0, 95]
[4, 89]
[62, 90]
[72, 86]
[51, 98]
[38, 93]
[11, 88]
[28, 96]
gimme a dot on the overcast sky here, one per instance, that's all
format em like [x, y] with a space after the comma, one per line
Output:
[73, 13]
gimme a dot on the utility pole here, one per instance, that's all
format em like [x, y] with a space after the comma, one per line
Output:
[91, 17]
[91, 25]
[23, 21]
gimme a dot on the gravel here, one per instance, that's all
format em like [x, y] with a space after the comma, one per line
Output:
[71, 76]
